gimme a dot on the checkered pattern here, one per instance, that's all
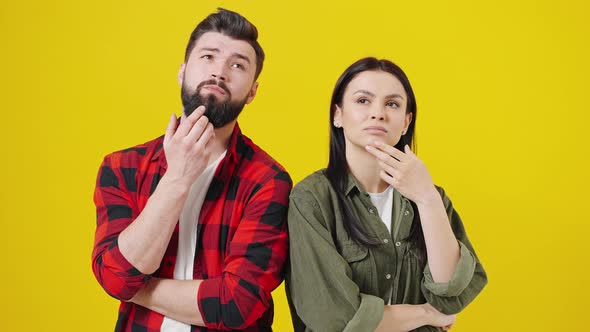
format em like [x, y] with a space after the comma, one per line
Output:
[242, 235]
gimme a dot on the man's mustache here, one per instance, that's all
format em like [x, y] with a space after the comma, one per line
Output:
[214, 82]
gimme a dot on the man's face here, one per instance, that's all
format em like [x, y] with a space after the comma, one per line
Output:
[219, 74]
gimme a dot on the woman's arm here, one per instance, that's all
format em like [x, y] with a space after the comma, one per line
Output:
[408, 175]
[407, 317]
[320, 286]
[442, 249]
[453, 276]
[469, 277]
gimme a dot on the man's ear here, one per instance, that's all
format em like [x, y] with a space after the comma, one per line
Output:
[181, 73]
[252, 93]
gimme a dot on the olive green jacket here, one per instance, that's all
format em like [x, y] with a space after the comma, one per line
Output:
[335, 284]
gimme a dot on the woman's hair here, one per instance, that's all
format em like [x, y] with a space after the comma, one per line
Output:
[337, 170]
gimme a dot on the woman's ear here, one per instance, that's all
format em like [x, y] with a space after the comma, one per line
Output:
[408, 120]
[337, 117]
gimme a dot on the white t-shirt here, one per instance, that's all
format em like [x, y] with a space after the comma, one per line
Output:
[384, 203]
[187, 236]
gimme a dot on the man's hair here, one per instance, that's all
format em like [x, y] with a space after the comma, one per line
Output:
[232, 25]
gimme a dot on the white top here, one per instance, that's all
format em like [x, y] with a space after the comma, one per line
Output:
[187, 236]
[384, 203]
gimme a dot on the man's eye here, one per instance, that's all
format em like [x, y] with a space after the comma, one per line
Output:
[238, 65]
[207, 56]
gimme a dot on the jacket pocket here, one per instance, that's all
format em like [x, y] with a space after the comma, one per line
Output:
[353, 252]
[361, 266]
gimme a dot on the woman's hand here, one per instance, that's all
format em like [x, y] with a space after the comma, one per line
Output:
[404, 171]
[408, 317]
[438, 319]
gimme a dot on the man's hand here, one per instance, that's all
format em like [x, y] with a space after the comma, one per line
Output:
[144, 242]
[187, 149]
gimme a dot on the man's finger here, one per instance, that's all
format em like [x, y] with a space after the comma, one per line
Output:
[198, 129]
[170, 128]
[206, 137]
[187, 124]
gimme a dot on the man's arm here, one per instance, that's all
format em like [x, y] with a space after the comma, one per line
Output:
[144, 242]
[172, 298]
[252, 269]
[129, 246]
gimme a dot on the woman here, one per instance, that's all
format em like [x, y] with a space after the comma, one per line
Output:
[374, 244]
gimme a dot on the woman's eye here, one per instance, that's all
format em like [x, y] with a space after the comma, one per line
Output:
[207, 56]
[392, 104]
[363, 101]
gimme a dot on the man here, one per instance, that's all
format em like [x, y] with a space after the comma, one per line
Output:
[191, 227]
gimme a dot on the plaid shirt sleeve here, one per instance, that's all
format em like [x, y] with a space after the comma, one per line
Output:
[115, 210]
[255, 262]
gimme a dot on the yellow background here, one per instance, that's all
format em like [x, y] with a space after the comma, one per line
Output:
[503, 116]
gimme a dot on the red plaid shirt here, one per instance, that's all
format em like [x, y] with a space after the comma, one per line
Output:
[241, 233]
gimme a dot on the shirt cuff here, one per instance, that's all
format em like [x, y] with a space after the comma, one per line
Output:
[368, 316]
[130, 279]
[460, 279]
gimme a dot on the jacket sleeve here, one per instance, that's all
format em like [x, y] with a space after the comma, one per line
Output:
[469, 277]
[319, 280]
[115, 210]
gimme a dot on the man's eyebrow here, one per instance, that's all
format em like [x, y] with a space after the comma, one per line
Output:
[210, 49]
[241, 56]
[235, 54]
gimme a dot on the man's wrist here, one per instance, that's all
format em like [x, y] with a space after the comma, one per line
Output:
[175, 186]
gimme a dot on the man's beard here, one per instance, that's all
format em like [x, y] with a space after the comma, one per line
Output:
[218, 113]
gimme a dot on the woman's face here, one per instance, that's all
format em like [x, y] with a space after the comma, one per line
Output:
[373, 109]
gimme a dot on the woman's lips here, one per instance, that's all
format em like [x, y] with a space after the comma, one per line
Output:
[376, 130]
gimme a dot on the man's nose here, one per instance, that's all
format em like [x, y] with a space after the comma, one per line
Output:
[218, 71]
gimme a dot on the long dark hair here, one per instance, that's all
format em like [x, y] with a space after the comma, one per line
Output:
[337, 170]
